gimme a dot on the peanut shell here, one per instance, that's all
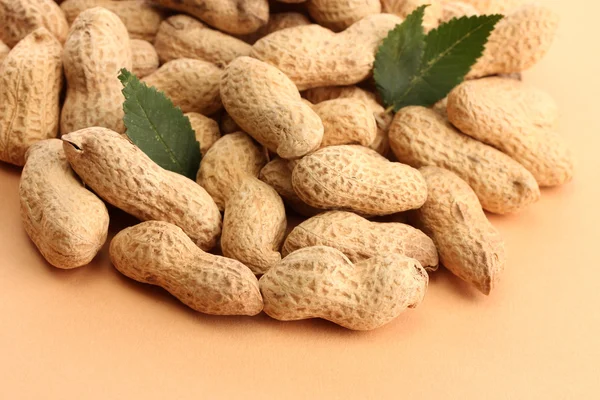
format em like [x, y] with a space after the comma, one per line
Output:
[339, 15]
[21, 17]
[144, 58]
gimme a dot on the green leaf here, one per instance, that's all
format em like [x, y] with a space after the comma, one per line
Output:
[399, 57]
[450, 52]
[159, 128]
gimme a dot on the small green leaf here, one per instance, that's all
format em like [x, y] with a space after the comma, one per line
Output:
[159, 128]
[450, 52]
[399, 57]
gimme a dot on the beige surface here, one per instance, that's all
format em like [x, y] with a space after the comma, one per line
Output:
[92, 334]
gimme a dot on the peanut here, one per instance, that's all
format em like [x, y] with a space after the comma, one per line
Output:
[402, 8]
[264, 102]
[206, 129]
[231, 16]
[517, 120]
[66, 222]
[305, 53]
[160, 253]
[519, 41]
[30, 84]
[360, 239]
[181, 36]
[337, 15]
[144, 58]
[469, 246]
[495, 6]
[227, 124]
[457, 9]
[4, 50]
[278, 174]
[276, 23]
[321, 282]
[358, 179]
[227, 163]
[254, 225]
[21, 17]
[124, 176]
[192, 85]
[346, 121]
[96, 49]
[421, 137]
[139, 17]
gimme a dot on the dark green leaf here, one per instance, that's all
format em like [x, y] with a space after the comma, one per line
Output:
[399, 57]
[159, 128]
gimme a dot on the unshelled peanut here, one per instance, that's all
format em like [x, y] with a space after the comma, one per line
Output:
[254, 225]
[124, 176]
[161, 254]
[457, 9]
[181, 36]
[517, 119]
[360, 239]
[4, 50]
[469, 246]
[66, 222]
[346, 121]
[192, 85]
[264, 102]
[495, 6]
[421, 137]
[144, 58]
[228, 162]
[357, 179]
[31, 81]
[321, 282]
[206, 130]
[402, 8]
[277, 22]
[339, 15]
[305, 53]
[21, 17]
[95, 51]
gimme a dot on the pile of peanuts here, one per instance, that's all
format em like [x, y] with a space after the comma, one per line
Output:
[281, 100]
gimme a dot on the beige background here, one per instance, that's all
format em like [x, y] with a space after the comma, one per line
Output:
[92, 334]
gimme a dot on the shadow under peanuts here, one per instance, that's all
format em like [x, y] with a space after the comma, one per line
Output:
[446, 281]
[10, 170]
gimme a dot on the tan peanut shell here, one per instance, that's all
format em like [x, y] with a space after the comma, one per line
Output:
[264, 102]
[144, 58]
[4, 50]
[420, 137]
[278, 174]
[457, 9]
[402, 8]
[321, 282]
[66, 222]
[519, 41]
[254, 225]
[181, 36]
[206, 129]
[30, 84]
[277, 22]
[495, 6]
[21, 17]
[313, 56]
[231, 16]
[160, 253]
[504, 113]
[95, 51]
[192, 85]
[360, 239]
[383, 119]
[124, 176]
[139, 17]
[232, 158]
[357, 179]
[338, 15]
[346, 121]
[469, 246]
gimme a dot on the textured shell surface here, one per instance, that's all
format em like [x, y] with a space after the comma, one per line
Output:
[124, 176]
[206, 130]
[420, 137]
[31, 81]
[144, 58]
[321, 282]
[358, 179]
[517, 119]
[402, 8]
[277, 22]
[161, 254]
[95, 51]
[313, 56]
[224, 167]
[360, 239]
[192, 85]
[346, 121]
[21, 17]
[66, 222]
[181, 36]
[339, 15]
[254, 225]
[264, 102]
[469, 246]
